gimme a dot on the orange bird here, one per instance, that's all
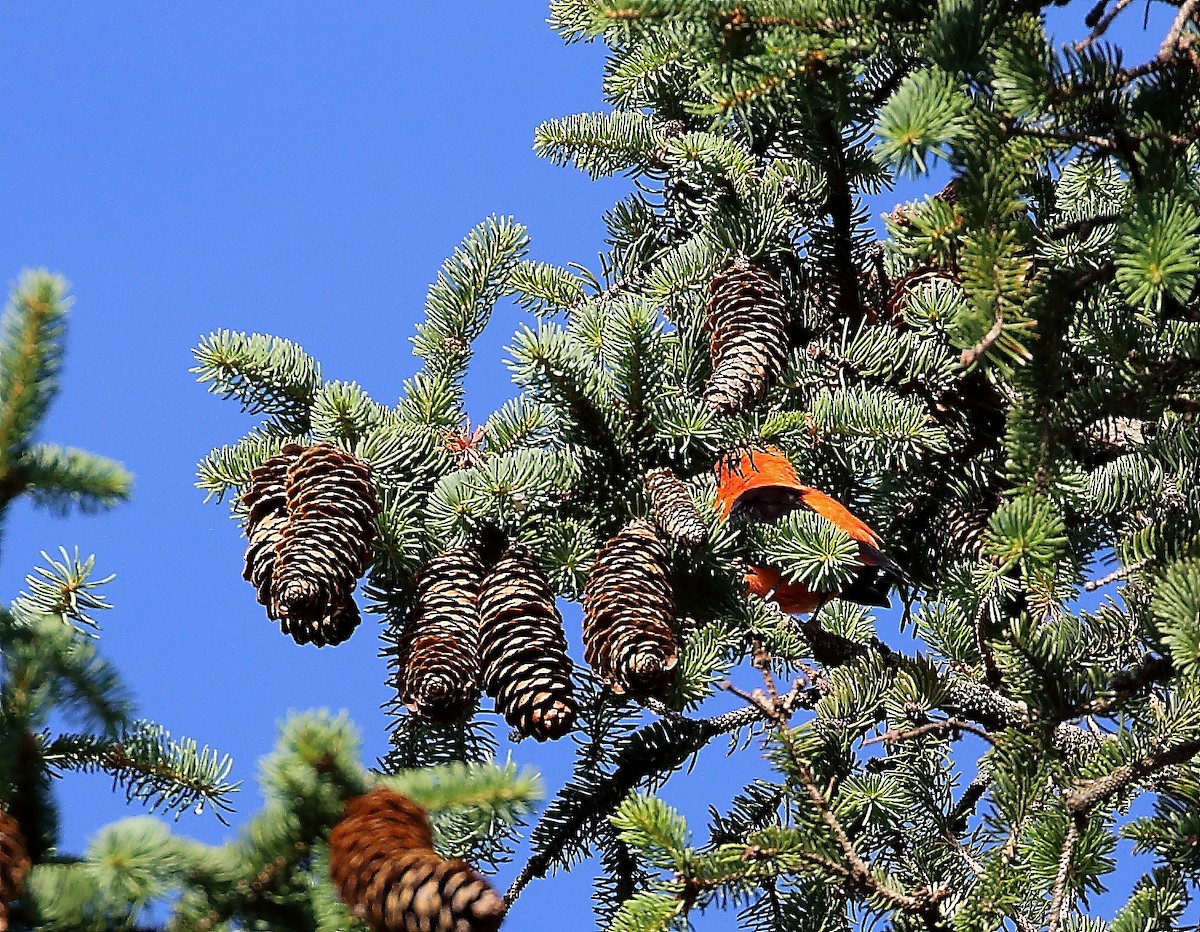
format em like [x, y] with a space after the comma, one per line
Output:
[763, 486]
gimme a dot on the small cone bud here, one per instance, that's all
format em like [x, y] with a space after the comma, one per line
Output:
[628, 608]
[522, 649]
[382, 862]
[437, 657]
[747, 320]
[673, 509]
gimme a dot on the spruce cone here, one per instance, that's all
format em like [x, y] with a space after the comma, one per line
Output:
[266, 500]
[747, 315]
[333, 628]
[268, 517]
[326, 544]
[627, 610]
[14, 864]
[382, 862]
[673, 509]
[438, 652]
[522, 649]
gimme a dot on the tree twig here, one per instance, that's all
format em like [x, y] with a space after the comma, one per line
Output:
[971, 354]
[692, 735]
[1105, 20]
[858, 874]
[1115, 576]
[948, 724]
[1096, 791]
[1187, 11]
[1060, 880]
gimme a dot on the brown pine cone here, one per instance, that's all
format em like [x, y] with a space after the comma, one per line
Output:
[330, 629]
[673, 509]
[266, 501]
[747, 319]
[14, 864]
[522, 648]
[326, 544]
[382, 862]
[437, 656]
[628, 608]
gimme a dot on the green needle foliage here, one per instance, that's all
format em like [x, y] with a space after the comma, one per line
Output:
[1004, 382]
[53, 676]
[60, 478]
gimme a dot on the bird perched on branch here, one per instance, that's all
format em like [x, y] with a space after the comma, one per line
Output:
[762, 486]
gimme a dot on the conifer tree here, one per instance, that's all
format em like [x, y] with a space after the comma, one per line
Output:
[1003, 384]
[52, 672]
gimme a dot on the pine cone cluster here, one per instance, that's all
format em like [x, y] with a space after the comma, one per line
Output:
[382, 862]
[628, 607]
[747, 320]
[311, 524]
[522, 648]
[14, 864]
[673, 509]
[500, 630]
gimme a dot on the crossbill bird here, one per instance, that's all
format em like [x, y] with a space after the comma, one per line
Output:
[762, 486]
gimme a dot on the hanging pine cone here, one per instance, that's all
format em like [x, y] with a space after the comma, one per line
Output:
[266, 501]
[331, 629]
[382, 862]
[673, 509]
[747, 317]
[627, 611]
[965, 517]
[14, 864]
[326, 544]
[437, 658]
[522, 648]
[268, 516]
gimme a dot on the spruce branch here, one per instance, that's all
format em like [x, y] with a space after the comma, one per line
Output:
[1100, 20]
[64, 590]
[951, 725]
[1083, 799]
[1121, 572]
[61, 478]
[166, 774]
[973, 354]
[31, 349]
[1058, 897]
[858, 874]
[49, 666]
[460, 302]
[265, 374]
[652, 751]
[840, 206]
[1186, 15]
[227, 469]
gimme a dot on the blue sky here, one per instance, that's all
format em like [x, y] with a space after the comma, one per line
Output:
[301, 171]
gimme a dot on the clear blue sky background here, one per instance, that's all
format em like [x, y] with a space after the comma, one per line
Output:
[300, 170]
